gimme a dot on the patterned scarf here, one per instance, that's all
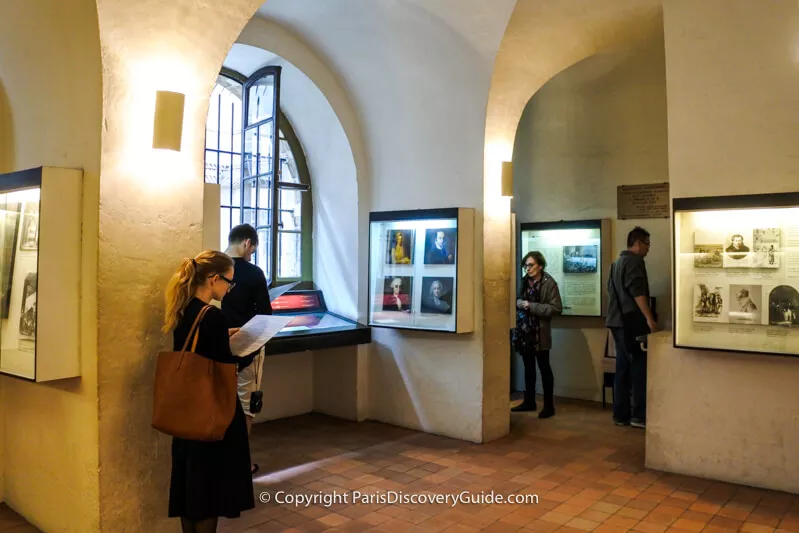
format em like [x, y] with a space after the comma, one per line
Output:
[528, 327]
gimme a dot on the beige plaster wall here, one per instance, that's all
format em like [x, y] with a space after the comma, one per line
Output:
[150, 218]
[50, 64]
[422, 120]
[733, 91]
[598, 124]
[740, 425]
[543, 37]
[327, 126]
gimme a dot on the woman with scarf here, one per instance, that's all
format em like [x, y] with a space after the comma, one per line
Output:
[538, 301]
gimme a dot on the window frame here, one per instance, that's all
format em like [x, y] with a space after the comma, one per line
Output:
[282, 128]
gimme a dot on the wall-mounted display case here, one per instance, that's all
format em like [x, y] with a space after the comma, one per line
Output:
[421, 269]
[578, 258]
[40, 267]
[736, 273]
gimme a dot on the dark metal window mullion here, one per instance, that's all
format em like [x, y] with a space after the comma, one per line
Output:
[275, 174]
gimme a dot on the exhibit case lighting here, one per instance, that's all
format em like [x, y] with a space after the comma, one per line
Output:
[736, 273]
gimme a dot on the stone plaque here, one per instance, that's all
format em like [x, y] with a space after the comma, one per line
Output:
[643, 201]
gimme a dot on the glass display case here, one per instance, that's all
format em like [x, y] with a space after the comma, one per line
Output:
[40, 231]
[313, 326]
[421, 269]
[578, 259]
[736, 273]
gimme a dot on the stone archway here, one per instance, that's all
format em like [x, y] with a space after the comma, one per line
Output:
[150, 217]
[543, 37]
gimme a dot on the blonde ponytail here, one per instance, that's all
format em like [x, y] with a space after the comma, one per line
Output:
[191, 274]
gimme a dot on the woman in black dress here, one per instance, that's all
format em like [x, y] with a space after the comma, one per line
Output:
[209, 479]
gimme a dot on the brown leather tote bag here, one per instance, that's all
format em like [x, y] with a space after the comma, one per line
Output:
[194, 397]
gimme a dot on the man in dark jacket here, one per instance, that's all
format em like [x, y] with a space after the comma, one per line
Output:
[629, 319]
[248, 296]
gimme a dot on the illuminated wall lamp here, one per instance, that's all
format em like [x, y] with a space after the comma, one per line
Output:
[168, 121]
[507, 179]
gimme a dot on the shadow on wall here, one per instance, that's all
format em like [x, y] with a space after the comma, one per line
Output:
[6, 133]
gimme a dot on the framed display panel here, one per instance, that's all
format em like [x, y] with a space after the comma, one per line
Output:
[40, 271]
[421, 269]
[736, 273]
[578, 259]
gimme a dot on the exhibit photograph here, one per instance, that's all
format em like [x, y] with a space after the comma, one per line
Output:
[736, 268]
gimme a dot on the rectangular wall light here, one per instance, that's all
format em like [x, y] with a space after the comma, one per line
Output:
[507, 179]
[168, 121]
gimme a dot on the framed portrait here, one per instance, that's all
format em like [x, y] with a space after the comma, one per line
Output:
[29, 238]
[397, 294]
[437, 295]
[399, 247]
[440, 246]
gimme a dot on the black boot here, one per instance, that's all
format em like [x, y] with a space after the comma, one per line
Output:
[527, 405]
[547, 412]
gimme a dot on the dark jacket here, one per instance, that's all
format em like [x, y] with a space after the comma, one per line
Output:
[628, 277]
[549, 306]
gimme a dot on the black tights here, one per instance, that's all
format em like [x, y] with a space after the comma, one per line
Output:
[204, 526]
[547, 378]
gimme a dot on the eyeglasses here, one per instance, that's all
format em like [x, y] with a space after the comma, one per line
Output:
[529, 265]
[229, 282]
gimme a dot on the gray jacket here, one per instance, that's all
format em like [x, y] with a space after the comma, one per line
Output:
[549, 306]
[628, 280]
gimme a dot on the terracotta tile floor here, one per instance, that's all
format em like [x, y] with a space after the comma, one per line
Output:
[587, 473]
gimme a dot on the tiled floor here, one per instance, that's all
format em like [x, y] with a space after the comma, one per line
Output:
[587, 473]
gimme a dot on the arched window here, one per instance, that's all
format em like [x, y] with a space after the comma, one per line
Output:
[239, 147]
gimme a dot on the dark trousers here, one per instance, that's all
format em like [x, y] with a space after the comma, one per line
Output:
[547, 378]
[630, 378]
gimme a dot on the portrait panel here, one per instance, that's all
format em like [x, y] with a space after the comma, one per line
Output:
[399, 246]
[440, 246]
[397, 294]
[437, 295]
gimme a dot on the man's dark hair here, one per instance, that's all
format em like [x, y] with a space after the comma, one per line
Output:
[538, 257]
[241, 233]
[637, 234]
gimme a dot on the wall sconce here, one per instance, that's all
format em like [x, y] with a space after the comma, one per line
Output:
[168, 122]
[507, 179]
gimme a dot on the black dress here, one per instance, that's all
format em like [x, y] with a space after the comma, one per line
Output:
[211, 479]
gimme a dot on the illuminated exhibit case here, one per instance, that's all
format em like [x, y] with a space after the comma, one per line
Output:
[421, 269]
[736, 273]
[578, 259]
[40, 267]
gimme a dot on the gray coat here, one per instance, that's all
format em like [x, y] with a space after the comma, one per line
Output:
[549, 306]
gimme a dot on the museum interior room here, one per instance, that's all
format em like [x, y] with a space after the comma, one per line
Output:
[398, 159]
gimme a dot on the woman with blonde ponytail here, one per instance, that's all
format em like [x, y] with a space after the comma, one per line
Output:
[209, 479]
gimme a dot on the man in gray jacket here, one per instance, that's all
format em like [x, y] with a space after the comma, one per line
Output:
[630, 319]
